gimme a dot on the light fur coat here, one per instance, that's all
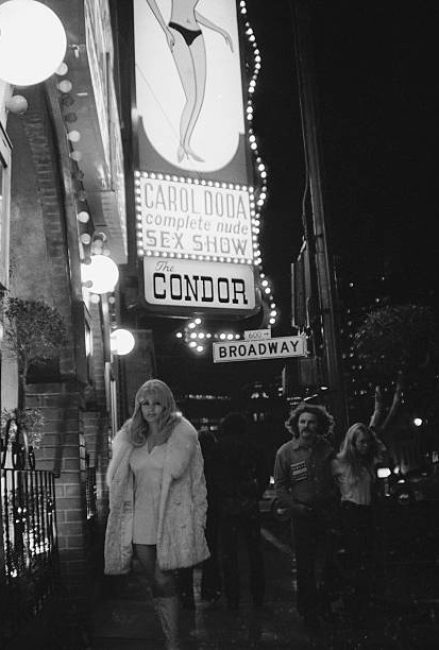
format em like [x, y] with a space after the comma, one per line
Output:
[183, 503]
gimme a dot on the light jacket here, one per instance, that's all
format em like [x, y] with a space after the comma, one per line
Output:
[182, 509]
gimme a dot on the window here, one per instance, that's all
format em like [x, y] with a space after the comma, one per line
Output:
[5, 188]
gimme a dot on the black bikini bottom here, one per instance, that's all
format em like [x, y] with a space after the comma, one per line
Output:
[189, 35]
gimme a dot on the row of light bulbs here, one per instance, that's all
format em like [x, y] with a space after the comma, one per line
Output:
[255, 219]
[197, 337]
[27, 59]
[197, 343]
[99, 273]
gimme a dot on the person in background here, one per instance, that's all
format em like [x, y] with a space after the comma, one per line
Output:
[354, 469]
[210, 570]
[239, 477]
[157, 499]
[305, 489]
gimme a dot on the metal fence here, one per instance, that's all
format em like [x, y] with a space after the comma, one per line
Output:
[28, 546]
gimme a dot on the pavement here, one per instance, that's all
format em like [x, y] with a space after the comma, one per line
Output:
[124, 618]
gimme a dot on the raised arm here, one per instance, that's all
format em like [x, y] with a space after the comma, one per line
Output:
[208, 23]
[158, 14]
[378, 410]
[376, 421]
[396, 403]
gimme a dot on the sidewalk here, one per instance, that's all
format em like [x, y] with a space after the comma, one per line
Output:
[124, 618]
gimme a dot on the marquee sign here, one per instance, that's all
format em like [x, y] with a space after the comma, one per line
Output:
[189, 100]
[198, 221]
[195, 207]
[189, 284]
[275, 348]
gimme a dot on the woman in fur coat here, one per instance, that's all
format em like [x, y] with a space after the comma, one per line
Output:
[157, 499]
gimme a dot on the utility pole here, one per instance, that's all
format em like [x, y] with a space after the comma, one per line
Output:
[315, 228]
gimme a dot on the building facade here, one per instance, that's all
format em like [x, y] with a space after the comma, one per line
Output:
[62, 202]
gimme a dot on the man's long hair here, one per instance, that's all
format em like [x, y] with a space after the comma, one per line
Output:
[157, 390]
[325, 420]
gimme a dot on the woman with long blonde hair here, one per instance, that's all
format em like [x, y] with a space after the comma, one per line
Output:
[354, 469]
[157, 499]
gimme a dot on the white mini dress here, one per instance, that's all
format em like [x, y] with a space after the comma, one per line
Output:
[147, 468]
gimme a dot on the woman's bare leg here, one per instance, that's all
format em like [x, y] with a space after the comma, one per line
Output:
[183, 61]
[164, 594]
[198, 52]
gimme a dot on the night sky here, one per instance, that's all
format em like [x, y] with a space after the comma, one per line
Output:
[376, 82]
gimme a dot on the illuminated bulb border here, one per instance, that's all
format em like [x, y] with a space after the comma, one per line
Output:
[197, 337]
[191, 256]
[261, 192]
[260, 196]
[257, 201]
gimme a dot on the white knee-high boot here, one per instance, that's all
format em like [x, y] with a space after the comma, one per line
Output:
[167, 611]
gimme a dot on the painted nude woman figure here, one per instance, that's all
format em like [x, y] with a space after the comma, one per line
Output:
[186, 42]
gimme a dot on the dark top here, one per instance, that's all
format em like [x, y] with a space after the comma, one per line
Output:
[240, 474]
[303, 474]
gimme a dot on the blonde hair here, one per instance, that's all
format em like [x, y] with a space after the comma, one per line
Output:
[161, 392]
[349, 456]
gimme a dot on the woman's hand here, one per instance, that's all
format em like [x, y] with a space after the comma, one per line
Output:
[377, 414]
[170, 38]
[378, 399]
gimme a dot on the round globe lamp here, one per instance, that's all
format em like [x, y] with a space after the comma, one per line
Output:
[17, 104]
[101, 274]
[121, 342]
[32, 42]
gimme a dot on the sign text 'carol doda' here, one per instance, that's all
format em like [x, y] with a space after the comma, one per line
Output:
[212, 223]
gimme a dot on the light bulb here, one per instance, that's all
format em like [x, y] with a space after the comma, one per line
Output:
[27, 58]
[102, 272]
[122, 342]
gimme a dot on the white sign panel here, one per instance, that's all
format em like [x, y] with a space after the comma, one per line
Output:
[276, 348]
[195, 220]
[257, 335]
[184, 283]
[189, 103]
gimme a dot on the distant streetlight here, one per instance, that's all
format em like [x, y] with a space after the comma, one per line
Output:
[32, 42]
[121, 342]
[101, 275]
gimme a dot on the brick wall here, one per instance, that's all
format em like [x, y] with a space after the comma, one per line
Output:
[63, 452]
[38, 215]
[44, 240]
[97, 360]
[97, 435]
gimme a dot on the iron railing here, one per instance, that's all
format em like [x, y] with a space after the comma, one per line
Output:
[28, 544]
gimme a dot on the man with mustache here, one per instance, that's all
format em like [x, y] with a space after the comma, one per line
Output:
[305, 489]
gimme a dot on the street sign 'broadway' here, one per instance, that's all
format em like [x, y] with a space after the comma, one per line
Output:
[277, 348]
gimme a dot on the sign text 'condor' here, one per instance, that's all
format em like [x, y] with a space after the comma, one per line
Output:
[185, 283]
